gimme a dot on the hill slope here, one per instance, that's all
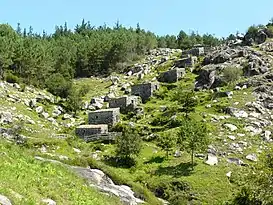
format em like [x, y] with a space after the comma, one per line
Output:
[35, 123]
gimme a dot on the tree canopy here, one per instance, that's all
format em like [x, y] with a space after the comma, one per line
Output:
[83, 52]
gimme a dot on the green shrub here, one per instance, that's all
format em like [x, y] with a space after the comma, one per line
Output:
[166, 142]
[161, 93]
[128, 145]
[11, 78]
[73, 100]
[173, 190]
[58, 85]
[232, 74]
[187, 99]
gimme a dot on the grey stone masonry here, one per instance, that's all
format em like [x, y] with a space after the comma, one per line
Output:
[186, 62]
[106, 116]
[172, 76]
[125, 103]
[88, 130]
[197, 51]
[145, 91]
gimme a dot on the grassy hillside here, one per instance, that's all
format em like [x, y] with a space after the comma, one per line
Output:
[27, 181]
[153, 175]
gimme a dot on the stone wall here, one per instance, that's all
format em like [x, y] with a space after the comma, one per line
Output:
[172, 76]
[88, 130]
[186, 62]
[125, 103]
[198, 51]
[107, 116]
[145, 91]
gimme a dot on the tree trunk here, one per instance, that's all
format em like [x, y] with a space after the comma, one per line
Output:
[192, 152]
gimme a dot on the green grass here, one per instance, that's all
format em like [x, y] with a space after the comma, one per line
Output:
[97, 87]
[21, 173]
[204, 180]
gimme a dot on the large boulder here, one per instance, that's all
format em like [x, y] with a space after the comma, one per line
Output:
[212, 160]
[209, 77]
[258, 37]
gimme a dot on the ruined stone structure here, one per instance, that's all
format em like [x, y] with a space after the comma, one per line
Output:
[186, 62]
[125, 103]
[172, 76]
[88, 130]
[106, 116]
[145, 91]
[197, 51]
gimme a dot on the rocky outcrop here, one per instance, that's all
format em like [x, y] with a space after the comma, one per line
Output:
[251, 62]
[103, 183]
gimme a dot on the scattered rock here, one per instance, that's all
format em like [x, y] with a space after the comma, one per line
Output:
[67, 116]
[252, 157]
[267, 135]
[235, 161]
[6, 117]
[236, 112]
[212, 160]
[76, 150]
[232, 137]
[45, 115]
[114, 79]
[49, 202]
[177, 153]
[228, 174]
[253, 130]
[39, 109]
[231, 127]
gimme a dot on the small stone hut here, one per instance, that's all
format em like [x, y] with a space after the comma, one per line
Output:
[104, 116]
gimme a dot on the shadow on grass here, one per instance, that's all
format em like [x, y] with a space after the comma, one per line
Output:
[183, 169]
[156, 159]
[119, 162]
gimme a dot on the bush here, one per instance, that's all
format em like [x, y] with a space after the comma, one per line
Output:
[58, 85]
[186, 99]
[161, 93]
[73, 100]
[166, 142]
[232, 74]
[11, 78]
[128, 145]
[193, 136]
[173, 190]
